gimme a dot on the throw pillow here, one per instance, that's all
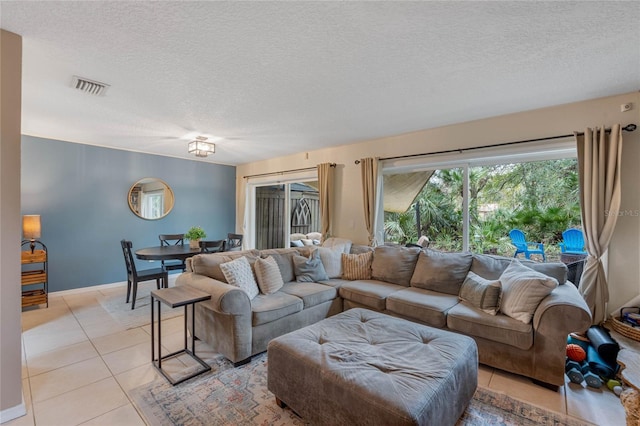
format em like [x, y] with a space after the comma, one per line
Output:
[238, 273]
[309, 269]
[296, 243]
[283, 257]
[522, 291]
[331, 260]
[394, 264]
[268, 275]
[357, 266]
[440, 271]
[307, 241]
[481, 293]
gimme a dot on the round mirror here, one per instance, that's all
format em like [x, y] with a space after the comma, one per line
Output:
[150, 198]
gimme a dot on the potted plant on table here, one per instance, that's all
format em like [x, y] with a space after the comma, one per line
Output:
[194, 235]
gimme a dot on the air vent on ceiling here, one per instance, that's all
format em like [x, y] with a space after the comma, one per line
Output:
[89, 86]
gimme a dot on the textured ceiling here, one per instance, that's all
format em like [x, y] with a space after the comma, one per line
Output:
[275, 78]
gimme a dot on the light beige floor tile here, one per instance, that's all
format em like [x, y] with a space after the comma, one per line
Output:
[484, 375]
[123, 416]
[41, 315]
[138, 376]
[599, 406]
[80, 405]
[523, 389]
[123, 339]
[65, 379]
[51, 360]
[128, 358]
[169, 326]
[35, 345]
[43, 323]
[102, 326]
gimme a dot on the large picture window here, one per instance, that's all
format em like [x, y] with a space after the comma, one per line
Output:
[472, 205]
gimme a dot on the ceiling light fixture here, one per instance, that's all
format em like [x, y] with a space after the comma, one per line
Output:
[200, 147]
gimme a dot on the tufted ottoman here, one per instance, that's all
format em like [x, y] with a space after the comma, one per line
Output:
[366, 368]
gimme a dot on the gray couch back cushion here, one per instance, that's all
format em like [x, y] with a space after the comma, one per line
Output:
[491, 267]
[441, 271]
[208, 264]
[394, 264]
[284, 259]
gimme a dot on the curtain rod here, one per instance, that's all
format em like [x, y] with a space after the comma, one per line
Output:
[627, 128]
[286, 171]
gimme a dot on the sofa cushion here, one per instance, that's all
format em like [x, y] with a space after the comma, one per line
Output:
[356, 266]
[394, 264]
[331, 260]
[492, 266]
[466, 319]
[238, 273]
[312, 294]
[309, 269]
[522, 290]
[481, 293]
[369, 293]
[426, 306]
[440, 271]
[335, 282]
[284, 259]
[208, 264]
[270, 307]
[268, 275]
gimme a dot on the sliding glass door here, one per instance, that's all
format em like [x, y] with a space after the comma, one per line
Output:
[283, 212]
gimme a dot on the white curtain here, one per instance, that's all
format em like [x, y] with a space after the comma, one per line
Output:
[369, 174]
[325, 187]
[599, 157]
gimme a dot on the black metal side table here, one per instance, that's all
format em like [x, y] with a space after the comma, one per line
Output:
[175, 297]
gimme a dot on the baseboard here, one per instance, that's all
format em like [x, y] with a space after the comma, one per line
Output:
[13, 412]
[172, 280]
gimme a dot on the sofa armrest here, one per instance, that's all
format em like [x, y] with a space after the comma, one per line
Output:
[563, 309]
[225, 298]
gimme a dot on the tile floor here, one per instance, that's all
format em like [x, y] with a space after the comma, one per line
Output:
[79, 365]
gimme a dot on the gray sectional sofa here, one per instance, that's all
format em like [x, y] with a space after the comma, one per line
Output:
[418, 285]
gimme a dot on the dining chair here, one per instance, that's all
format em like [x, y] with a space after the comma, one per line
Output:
[212, 246]
[234, 242]
[134, 276]
[173, 240]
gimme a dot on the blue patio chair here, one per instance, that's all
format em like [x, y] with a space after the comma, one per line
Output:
[572, 242]
[521, 244]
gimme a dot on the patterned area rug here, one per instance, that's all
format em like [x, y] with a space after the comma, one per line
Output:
[141, 315]
[239, 396]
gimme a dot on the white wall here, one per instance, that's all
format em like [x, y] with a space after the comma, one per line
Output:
[11, 404]
[624, 256]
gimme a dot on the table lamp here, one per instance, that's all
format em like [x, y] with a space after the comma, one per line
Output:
[31, 229]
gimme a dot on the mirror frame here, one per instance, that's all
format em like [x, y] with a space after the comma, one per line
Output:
[148, 180]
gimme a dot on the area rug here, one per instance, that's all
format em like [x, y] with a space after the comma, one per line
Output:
[239, 396]
[141, 315]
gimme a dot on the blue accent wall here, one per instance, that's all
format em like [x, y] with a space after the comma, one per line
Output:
[80, 191]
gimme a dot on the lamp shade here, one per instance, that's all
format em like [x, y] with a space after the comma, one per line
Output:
[31, 226]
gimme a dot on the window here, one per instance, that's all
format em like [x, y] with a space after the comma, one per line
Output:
[472, 203]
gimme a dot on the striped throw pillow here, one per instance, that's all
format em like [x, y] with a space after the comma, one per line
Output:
[268, 275]
[357, 266]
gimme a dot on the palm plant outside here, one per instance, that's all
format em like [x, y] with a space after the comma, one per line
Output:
[540, 198]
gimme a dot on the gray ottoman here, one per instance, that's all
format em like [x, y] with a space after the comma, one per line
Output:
[366, 368]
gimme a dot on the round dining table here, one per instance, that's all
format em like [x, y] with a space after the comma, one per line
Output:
[166, 252]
